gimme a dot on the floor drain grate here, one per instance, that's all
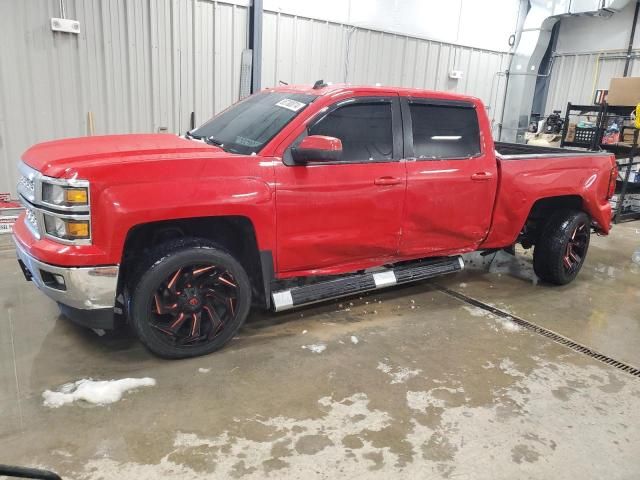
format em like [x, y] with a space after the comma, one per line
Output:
[545, 332]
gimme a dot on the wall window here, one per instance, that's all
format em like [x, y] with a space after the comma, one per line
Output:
[444, 131]
[364, 128]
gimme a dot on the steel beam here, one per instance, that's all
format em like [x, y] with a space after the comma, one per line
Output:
[255, 43]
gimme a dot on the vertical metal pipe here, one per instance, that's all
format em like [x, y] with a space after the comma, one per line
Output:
[633, 34]
[63, 9]
[90, 125]
[255, 43]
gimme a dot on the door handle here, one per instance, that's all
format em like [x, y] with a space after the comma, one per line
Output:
[482, 176]
[387, 181]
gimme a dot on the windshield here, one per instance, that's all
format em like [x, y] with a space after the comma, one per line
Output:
[248, 125]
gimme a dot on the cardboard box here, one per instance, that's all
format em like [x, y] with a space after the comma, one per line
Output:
[571, 133]
[624, 91]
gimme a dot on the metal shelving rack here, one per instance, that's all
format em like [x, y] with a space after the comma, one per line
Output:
[591, 138]
[584, 137]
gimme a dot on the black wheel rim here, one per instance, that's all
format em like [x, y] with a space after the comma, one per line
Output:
[576, 248]
[194, 305]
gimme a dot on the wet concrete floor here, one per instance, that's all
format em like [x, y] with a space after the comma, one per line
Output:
[411, 384]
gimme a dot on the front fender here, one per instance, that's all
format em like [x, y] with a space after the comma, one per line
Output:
[122, 207]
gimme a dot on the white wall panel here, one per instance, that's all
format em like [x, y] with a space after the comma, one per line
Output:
[145, 65]
[482, 24]
[302, 50]
[137, 65]
[596, 33]
[576, 77]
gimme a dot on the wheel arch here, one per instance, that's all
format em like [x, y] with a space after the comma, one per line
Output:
[234, 233]
[540, 212]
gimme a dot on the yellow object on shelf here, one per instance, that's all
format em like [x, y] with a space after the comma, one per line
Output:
[637, 120]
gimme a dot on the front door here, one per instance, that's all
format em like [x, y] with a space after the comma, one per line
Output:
[344, 215]
[451, 178]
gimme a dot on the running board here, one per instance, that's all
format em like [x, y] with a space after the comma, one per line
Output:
[363, 282]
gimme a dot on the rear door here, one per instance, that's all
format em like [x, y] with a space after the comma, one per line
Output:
[451, 177]
[345, 215]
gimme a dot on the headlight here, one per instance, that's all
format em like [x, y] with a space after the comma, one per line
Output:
[66, 228]
[64, 196]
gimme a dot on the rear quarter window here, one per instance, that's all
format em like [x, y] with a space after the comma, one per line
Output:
[444, 131]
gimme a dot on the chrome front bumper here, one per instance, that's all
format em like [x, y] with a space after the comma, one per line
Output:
[84, 288]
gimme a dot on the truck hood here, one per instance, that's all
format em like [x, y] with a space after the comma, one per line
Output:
[61, 158]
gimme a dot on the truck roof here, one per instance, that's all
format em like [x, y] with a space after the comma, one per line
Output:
[332, 89]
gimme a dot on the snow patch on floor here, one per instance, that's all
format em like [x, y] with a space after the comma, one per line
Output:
[422, 400]
[204, 370]
[398, 374]
[509, 325]
[314, 441]
[477, 311]
[505, 429]
[508, 367]
[97, 392]
[316, 347]
[506, 323]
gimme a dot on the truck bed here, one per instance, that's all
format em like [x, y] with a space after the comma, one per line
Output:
[583, 175]
[521, 151]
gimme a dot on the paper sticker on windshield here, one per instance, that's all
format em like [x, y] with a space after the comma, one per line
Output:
[289, 104]
[247, 142]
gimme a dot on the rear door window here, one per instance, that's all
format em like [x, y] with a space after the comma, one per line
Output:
[444, 131]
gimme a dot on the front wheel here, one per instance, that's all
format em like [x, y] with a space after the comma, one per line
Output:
[561, 249]
[189, 299]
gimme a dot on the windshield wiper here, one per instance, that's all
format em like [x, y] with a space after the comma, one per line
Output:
[213, 141]
[208, 140]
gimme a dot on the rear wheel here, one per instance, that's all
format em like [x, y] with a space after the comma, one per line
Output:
[189, 299]
[562, 247]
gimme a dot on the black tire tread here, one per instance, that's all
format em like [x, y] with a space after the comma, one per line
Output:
[147, 266]
[549, 250]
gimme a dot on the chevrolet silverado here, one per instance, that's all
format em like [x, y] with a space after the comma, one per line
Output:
[294, 195]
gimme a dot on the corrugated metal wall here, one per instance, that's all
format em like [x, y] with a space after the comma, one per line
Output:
[138, 66]
[145, 65]
[576, 77]
[302, 50]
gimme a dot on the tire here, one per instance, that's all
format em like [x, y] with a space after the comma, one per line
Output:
[188, 298]
[562, 247]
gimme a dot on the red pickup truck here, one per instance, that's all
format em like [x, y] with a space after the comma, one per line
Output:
[294, 195]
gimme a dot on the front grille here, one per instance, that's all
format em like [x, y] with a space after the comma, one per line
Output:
[30, 218]
[26, 184]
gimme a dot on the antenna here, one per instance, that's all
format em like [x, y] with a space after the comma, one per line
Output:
[319, 84]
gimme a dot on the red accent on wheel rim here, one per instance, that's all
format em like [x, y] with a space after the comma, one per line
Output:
[194, 304]
[576, 248]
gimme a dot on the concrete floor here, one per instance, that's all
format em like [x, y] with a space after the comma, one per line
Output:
[433, 388]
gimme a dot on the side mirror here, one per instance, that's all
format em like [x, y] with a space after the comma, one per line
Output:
[317, 148]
